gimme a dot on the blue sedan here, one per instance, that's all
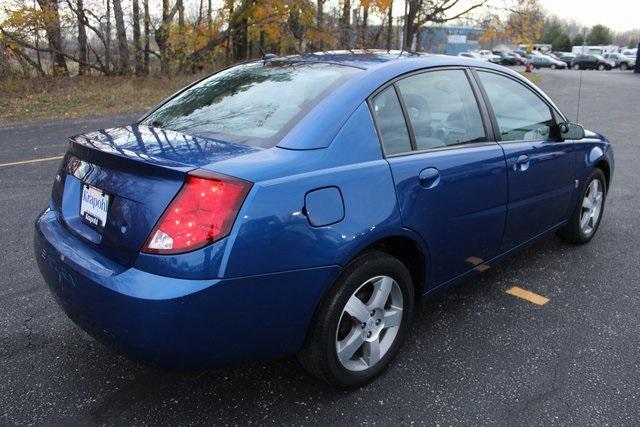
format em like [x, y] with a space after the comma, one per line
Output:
[304, 205]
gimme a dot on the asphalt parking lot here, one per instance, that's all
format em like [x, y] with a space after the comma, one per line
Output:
[475, 354]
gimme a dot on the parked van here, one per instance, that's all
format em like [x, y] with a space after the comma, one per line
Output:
[594, 50]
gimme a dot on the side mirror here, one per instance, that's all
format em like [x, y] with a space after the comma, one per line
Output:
[571, 131]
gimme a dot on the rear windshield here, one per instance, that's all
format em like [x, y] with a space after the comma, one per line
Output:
[253, 103]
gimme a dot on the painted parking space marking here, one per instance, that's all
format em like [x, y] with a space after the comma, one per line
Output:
[527, 295]
[26, 162]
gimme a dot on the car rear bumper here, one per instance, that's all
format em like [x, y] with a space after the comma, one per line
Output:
[177, 323]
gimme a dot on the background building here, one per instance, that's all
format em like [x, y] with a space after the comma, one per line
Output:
[449, 40]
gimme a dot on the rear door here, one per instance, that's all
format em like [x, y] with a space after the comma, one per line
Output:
[541, 168]
[450, 177]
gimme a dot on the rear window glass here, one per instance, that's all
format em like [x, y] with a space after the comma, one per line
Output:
[391, 123]
[253, 104]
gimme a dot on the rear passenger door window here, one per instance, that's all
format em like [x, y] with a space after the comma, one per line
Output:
[520, 113]
[391, 124]
[442, 109]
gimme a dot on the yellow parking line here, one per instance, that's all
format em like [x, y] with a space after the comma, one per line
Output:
[527, 295]
[25, 162]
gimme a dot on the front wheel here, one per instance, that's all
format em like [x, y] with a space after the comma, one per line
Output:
[624, 66]
[586, 217]
[576, 66]
[601, 67]
[362, 322]
[553, 66]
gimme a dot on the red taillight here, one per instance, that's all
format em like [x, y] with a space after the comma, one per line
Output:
[203, 211]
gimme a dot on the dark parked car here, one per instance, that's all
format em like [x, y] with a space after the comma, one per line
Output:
[620, 61]
[544, 61]
[303, 205]
[591, 62]
[566, 57]
[507, 58]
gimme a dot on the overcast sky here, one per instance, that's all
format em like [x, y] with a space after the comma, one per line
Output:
[620, 15]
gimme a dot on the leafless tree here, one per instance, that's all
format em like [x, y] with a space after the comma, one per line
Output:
[320, 20]
[137, 45]
[107, 44]
[121, 35]
[147, 36]
[54, 36]
[390, 25]
[345, 25]
[5, 66]
[83, 51]
[364, 26]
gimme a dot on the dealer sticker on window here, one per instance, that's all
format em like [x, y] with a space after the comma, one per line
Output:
[94, 206]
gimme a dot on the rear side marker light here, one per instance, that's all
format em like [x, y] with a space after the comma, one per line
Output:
[203, 211]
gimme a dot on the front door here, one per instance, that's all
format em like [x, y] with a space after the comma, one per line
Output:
[451, 181]
[541, 168]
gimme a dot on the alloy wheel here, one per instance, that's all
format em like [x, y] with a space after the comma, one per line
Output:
[369, 323]
[591, 207]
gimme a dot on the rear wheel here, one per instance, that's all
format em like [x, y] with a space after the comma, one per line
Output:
[586, 217]
[362, 322]
[576, 66]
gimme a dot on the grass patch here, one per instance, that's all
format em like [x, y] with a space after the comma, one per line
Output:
[58, 98]
[532, 77]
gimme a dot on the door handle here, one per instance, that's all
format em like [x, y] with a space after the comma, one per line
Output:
[522, 164]
[429, 177]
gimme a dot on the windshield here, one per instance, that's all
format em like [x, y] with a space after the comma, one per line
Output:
[253, 104]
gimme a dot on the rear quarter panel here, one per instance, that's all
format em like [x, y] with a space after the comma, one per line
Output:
[272, 232]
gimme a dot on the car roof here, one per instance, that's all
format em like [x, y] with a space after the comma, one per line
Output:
[359, 58]
[368, 59]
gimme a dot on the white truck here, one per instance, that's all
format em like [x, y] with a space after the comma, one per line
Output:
[594, 50]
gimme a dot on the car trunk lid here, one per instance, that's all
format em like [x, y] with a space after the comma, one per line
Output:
[138, 170]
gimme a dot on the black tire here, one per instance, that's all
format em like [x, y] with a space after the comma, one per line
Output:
[319, 355]
[572, 232]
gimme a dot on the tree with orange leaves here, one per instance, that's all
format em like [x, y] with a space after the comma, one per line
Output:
[523, 24]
